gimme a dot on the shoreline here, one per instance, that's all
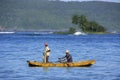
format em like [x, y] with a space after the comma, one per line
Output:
[65, 32]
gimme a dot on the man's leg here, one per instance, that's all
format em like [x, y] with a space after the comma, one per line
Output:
[47, 57]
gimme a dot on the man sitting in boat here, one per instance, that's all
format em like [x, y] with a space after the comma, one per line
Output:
[67, 57]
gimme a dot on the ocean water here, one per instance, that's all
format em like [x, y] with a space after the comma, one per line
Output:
[17, 48]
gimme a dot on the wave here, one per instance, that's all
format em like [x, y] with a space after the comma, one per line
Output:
[7, 32]
[79, 33]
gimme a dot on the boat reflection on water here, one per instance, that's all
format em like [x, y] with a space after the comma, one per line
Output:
[45, 69]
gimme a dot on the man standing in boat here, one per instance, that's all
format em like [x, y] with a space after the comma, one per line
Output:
[46, 53]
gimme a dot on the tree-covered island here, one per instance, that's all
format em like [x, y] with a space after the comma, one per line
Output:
[85, 26]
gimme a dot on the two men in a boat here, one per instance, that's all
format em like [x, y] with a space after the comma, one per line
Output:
[46, 55]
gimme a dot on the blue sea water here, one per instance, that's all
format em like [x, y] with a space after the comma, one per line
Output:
[16, 49]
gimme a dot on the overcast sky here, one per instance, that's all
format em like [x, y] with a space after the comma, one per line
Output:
[94, 0]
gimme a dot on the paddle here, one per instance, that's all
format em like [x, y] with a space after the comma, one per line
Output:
[61, 60]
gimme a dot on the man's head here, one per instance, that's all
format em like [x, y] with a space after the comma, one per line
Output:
[46, 44]
[67, 51]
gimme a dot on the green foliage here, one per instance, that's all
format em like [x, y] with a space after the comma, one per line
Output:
[94, 27]
[75, 19]
[71, 30]
[87, 26]
[44, 14]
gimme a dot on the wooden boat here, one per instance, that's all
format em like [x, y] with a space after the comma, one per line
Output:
[85, 63]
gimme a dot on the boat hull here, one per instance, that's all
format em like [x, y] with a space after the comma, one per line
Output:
[85, 63]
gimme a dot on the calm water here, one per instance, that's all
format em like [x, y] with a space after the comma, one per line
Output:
[16, 49]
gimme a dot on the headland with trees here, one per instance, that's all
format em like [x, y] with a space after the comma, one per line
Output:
[85, 25]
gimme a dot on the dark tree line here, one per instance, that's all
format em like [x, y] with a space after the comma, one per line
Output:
[87, 26]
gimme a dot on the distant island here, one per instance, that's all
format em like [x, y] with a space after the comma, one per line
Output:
[85, 26]
[37, 15]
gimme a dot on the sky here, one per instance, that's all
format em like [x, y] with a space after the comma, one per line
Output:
[95, 0]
